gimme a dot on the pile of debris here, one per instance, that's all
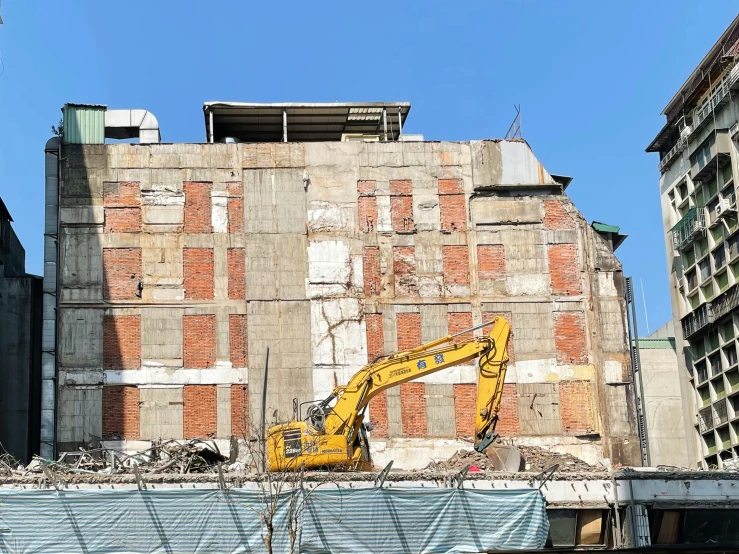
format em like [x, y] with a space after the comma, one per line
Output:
[193, 456]
[533, 458]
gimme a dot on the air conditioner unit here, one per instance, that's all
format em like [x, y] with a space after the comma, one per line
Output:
[683, 125]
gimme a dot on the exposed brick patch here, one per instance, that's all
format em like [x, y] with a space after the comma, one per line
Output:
[450, 186]
[199, 341]
[563, 269]
[371, 270]
[238, 339]
[123, 194]
[367, 206]
[401, 187]
[375, 337]
[555, 216]
[121, 342]
[401, 213]
[199, 411]
[198, 215]
[240, 411]
[489, 316]
[198, 273]
[408, 328]
[453, 212]
[378, 414]
[576, 407]
[235, 208]
[404, 270]
[569, 337]
[366, 187]
[456, 264]
[465, 409]
[120, 409]
[122, 220]
[236, 273]
[413, 409]
[491, 261]
[122, 276]
[508, 423]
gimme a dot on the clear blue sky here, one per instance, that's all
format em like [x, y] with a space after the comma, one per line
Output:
[591, 77]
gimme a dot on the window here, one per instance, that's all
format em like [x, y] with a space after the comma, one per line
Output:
[714, 361]
[705, 269]
[726, 174]
[689, 256]
[701, 371]
[692, 279]
[712, 341]
[730, 353]
[719, 258]
[702, 247]
[733, 246]
[683, 190]
[718, 234]
[723, 282]
[727, 330]
[729, 195]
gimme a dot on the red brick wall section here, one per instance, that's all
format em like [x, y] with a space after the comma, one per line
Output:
[236, 273]
[240, 411]
[465, 407]
[235, 208]
[401, 213]
[367, 213]
[121, 342]
[366, 187]
[453, 212]
[491, 261]
[198, 215]
[199, 411]
[489, 316]
[122, 220]
[121, 195]
[413, 409]
[238, 339]
[375, 336]
[122, 278]
[120, 408]
[378, 415]
[576, 407]
[456, 264]
[563, 269]
[450, 186]
[555, 216]
[371, 270]
[199, 341]
[408, 328]
[401, 188]
[569, 337]
[404, 270]
[198, 273]
[508, 416]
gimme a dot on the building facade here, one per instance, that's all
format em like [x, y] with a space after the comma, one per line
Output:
[181, 264]
[698, 165]
[20, 347]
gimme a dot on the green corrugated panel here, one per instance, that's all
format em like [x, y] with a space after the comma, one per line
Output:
[84, 124]
[605, 228]
[657, 344]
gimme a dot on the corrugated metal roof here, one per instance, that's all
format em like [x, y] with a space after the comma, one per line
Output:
[656, 344]
[84, 123]
[605, 228]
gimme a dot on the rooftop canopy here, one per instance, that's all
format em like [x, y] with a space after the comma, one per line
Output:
[300, 122]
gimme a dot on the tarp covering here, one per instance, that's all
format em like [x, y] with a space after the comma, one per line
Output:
[335, 521]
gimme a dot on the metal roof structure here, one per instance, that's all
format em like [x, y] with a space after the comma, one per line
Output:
[303, 122]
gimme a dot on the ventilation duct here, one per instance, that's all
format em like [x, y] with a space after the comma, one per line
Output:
[128, 124]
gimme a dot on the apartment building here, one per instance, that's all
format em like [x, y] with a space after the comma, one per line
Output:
[326, 234]
[698, 166]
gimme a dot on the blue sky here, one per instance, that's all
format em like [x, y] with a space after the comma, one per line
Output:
[591, 77]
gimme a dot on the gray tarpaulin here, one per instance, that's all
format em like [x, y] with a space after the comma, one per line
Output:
[332, 521]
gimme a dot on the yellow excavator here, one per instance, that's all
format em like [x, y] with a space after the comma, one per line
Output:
[334, 435]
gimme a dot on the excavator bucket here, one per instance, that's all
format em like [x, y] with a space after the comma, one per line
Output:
[504, 457]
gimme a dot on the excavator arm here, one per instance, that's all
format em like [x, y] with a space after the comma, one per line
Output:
[331, 434]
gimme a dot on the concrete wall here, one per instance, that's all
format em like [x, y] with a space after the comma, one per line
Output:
[20, 353]
[181, 264]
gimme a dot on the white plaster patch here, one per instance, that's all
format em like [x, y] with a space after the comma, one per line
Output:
[451, 375]
[166, 196]
[329, 269]
[534, 284]
[414, 453]
[325, 216]
[338, 335]
[606, 284]
[152, 373]
[614, 371]
[358, 273]
[384, 223]
[536, 371]
[430, 286]
[326, 377]
[219, 211]
[163, 215]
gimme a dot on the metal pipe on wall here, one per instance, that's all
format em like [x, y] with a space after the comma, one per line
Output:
[284, 125]
[210, 119]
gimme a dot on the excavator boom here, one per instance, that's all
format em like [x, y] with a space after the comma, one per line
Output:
[333, 435]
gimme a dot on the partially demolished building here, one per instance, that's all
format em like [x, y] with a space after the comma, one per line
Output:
[321, 232]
